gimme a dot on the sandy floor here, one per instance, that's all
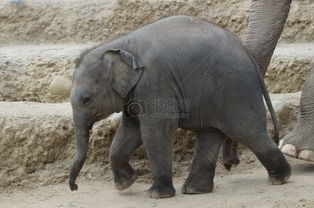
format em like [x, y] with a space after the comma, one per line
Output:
[248, 189]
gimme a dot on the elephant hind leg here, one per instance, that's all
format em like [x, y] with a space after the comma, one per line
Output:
[200, 179]
[268, 154]
[300, 142]
[248, 126]
[273, 160]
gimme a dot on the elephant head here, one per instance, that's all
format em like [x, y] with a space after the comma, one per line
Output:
[101, 84]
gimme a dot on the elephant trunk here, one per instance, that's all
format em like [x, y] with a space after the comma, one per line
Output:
[306, 102]
[82, 125]
[266, 22]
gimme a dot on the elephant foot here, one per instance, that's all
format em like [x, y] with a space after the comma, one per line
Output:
[288, 149]
[307, 155]
[280, 175]
[161, 191]
[197, 188]
[278, 180]
[124, 182]
[298, 145]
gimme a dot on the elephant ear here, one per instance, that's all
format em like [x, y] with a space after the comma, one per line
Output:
[125, 69]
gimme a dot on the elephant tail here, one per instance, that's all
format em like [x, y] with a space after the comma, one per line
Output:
[267, 100]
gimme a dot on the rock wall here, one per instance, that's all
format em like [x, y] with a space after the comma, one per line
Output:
[101, 20]
[36, 135]
[26, 71]
[289, 67]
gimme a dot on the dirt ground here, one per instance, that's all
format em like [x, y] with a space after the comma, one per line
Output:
[245, 186]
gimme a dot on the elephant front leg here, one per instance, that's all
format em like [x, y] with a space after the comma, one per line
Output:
[156, 135]
[200, 179]
[125, 142]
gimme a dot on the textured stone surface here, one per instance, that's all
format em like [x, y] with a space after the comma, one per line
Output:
[26, 71]
[80, 21]
[289, 67]
[99, 20]
[34, 136]
[300, 23]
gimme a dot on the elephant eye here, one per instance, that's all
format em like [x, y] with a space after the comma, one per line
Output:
[85, 99]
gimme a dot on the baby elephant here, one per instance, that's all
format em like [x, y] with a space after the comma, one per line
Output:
[178, 72]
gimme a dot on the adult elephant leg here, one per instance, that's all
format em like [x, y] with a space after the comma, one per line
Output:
[300, 141]
[266, 22]
[200, 179]
[126, 140]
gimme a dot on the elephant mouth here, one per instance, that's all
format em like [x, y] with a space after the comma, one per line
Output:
[100, 117]
[90, 126]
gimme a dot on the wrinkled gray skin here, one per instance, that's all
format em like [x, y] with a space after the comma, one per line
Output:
[177, 59]
[266, 22]
[299, 142]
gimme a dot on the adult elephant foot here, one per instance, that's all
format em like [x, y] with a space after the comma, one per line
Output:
[300, 142]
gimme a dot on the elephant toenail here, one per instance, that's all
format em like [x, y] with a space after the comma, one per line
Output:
[289, 150]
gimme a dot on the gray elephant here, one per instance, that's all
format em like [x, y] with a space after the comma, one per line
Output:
[179, 72]
[266, 22]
